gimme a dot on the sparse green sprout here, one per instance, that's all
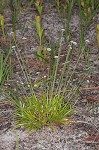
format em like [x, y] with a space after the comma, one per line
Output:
[58, 4]
[97, 28]
[39, 28]
[2, 25]
[15, 12]
[88, 9]
[41, 52]
[5, 67]
[39, 7]
[62, 6]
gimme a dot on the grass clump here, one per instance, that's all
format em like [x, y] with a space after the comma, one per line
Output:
[35, 112]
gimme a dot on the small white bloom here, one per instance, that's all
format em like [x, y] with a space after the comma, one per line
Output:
[70, 47]
[75, 43]
[24, 38]
[20, 103]
[63, 29]
[44, 76]
[28, 85]
[23, 105]
[87, 81]
[37, 72]
[22, 83]
[71, 41]
[62, 55]
[12, 32]
[55, 57]
[87, 41]
[35, 85]
[13, 46]
[48, 49]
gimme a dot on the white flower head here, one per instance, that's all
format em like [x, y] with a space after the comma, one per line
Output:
[20, 103]
[35, 85]
[74, 43]
[55, 57]
[37, 72]
[87, 81]
[12, 32]
[44, 76]
[28, 85]
[87, 41]
[24, 38]
[22, 83]
[49, 49]
[23, 105]
[13, 46]
[63, 29]
[70, 47]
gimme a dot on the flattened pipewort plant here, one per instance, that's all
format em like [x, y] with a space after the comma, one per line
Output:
[50, 105]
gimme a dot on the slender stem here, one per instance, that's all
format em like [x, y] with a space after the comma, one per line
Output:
[57, 63]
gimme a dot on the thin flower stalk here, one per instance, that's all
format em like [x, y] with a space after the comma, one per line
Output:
[57, 63]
